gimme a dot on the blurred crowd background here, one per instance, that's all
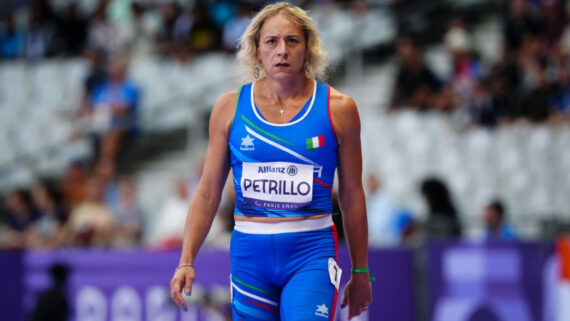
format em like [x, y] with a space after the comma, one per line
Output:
[465, 108]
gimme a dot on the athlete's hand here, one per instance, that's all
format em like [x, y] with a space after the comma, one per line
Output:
[357, 294]
[182, 279]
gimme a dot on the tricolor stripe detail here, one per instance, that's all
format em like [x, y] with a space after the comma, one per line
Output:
[261, 305]
[266, 132]
[251, 286]
[335, 297]
[252, 311]
[253, 296]
[281, 147]
[315, 142]
[322, 183]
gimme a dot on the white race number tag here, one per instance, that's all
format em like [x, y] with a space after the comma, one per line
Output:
[334, 272]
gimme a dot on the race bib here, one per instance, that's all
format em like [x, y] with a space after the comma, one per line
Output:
[335, 272]
[277, 185]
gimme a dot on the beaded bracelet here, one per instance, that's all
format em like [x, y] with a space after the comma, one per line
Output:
[184, 265]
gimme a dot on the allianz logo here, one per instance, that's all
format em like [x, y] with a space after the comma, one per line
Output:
[291, 169]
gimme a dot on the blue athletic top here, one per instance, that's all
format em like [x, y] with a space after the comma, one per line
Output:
[283, 170]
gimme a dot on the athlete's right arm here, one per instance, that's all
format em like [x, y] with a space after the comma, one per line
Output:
[206, 199]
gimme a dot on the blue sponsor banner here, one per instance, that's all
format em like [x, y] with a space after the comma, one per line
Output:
[464, 281]
[11, 293]
[485, 281]
[134, 285]
[392, 292]
[126, 285]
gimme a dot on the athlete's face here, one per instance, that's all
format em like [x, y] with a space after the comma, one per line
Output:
[282, 47]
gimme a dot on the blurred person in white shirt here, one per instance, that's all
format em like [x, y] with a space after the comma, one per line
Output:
[382, 214]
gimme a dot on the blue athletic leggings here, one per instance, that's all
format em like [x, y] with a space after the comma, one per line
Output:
[286, 276]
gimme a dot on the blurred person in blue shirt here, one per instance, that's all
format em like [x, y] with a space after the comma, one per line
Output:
[113, 110]
[11, 39]
[560, 97]
[496, 227]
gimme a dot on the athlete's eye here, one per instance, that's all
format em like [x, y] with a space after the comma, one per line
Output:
[270, 41]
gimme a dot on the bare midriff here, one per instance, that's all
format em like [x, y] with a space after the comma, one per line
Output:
[276, 219]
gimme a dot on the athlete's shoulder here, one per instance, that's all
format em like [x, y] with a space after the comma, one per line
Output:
[344, 113]
[342, 105]
[224, 110]
[339, 100]
[226, 100]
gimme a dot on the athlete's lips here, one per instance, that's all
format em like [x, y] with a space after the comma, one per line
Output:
[281, 64]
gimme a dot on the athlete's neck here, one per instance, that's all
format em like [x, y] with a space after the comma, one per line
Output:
[283, 90]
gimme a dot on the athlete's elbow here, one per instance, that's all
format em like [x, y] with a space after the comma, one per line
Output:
[210, 199]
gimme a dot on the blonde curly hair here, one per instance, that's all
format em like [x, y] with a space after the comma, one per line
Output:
[317, 60]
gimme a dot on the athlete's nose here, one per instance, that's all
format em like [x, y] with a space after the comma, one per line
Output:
[282, 49]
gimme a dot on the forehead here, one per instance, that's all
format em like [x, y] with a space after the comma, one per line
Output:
[280, 24]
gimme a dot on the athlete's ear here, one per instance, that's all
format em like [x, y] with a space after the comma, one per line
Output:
[258, 56]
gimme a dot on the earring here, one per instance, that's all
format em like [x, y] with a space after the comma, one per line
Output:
[256, 72]
[307, 67]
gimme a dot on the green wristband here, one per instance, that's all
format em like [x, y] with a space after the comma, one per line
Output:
[364, 270]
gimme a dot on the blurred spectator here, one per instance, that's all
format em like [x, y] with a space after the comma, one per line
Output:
[467, 70]
[168, 229]
[496, 227]
[128, 215]
[204, 35]
[535, 100]
[520, 21]
[442, 219]
[91, 222]
[409, 233]
[166, 41]
[492, 104]
[40, 36]
[101, 34]
[137, 34]
[221, 12]
[382, 214]
[46, 231]
[11, 39]
[74, 185]
[481, 106]
[96, 77]
[552, 24]
[107, 174]
[560, 98]
[564, 41]
[21, 216]
[416, 85]
[113, 113]
[52, 304]
[72, 29]
[237, 25]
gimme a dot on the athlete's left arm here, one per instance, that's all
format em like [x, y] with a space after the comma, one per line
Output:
[345, 118]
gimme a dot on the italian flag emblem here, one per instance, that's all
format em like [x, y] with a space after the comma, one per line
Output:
[315, 142]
